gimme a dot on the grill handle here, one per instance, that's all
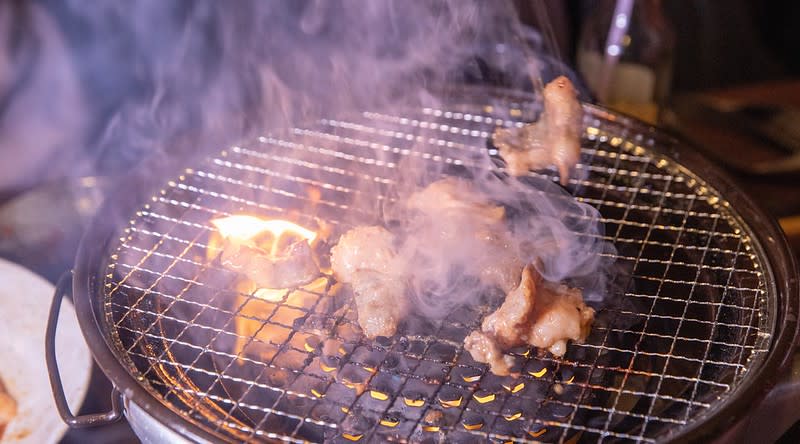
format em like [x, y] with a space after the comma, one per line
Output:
[91, 420]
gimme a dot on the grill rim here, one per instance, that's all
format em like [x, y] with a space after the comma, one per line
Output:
[92, 257]
[88, 295]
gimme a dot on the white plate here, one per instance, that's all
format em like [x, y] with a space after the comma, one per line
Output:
[24, 304]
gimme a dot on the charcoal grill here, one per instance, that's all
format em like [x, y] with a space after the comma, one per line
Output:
[701, 319]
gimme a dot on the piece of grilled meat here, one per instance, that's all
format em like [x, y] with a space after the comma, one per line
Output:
[553, 140]
[536, 313]
[365, 258]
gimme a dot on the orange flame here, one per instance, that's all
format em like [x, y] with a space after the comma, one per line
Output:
[268, 235]
[244, 227]
[241, 228]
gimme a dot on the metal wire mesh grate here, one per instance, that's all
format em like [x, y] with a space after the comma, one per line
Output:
[688, 322]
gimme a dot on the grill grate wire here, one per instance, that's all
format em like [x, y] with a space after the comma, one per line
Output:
[678, 339]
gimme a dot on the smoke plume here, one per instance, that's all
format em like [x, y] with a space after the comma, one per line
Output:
[196, 76]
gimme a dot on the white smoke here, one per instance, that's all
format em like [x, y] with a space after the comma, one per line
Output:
[205, 74]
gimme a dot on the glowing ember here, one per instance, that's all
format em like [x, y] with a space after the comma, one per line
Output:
[538, 374]
[267, 234]
[270, 294]
[270, 237]
[244, 227]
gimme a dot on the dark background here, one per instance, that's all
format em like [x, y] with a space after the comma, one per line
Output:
[718, 43]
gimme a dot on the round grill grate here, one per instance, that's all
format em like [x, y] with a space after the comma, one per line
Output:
[689, 317]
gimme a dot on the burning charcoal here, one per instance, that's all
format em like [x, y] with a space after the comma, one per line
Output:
[432, 420]
[286, 315]
[351, 436]
[384, 341]
[341, 394]
[354, 427]
[392, 361]
[384, 386]
[418, 326]
[337, 298]
[329, 363]
[413, 399]
[348, 332]
[402, 343]
[515, 429]
[394, 428]
[294, 403]
[566, 387]
[327, 411]
[473, 421]
[565, 375]
[555, 411]
[484, 396]
[292, 359]
[317, 392]
[465, 375]
[486, 402]
[523, 351]
[297, 324]
[514, 386]
[467, 315]
[319, 325]
[539, 431]
[391, 419]
[369, 359]
[517, 408]
[416, 348]
[432, 372]
[451, 332]
[312, 432]
[312, 344]
[333, 347]
[537, 369]
[354, 378]
[309, 385]
[278, 378]
[441, 352]
[512, 414]
[450, 397]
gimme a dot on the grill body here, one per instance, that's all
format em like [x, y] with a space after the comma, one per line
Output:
[702, 320]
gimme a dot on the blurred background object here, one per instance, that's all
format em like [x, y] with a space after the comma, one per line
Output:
[43, 115]
[24, 306]
[717, 44]
[69, 70]
[49, 218]
[734, 87]
[625, 53]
